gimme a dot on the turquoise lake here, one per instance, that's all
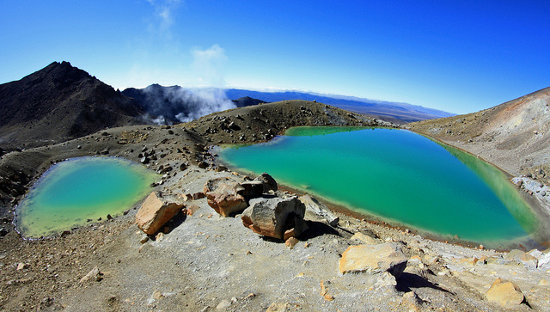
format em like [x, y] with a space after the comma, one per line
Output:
[397, 176]
[78, 189]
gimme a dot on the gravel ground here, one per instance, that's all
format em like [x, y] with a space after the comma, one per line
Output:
[210, 263]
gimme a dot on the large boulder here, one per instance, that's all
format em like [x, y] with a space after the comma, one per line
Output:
[275, 217]
[317, 209]
[155, 212]
[225, 196]
[505, 293]
[374, 258]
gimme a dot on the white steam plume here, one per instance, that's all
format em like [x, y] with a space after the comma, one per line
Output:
[175, 104]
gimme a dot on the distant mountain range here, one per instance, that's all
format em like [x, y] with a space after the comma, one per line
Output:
[177, 104]
[393, 111]
[61, 102]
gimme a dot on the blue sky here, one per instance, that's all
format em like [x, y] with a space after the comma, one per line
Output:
[458, 56]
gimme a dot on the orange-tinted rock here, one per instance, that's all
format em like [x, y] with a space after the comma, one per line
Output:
[291, 242]
[505, 293]
[155, 212]
[373, 258]
[224, 196]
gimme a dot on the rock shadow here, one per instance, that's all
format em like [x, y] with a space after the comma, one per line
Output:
[176, 221]
[316, 229]
[406, 281]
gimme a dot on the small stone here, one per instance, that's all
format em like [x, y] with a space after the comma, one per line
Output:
[144, 239]
[191, 209]
[277, 307]
[159, 237]
[157, 295]
[328, 297]
[93, 275]
[250, 295]
[291, 242]
[22, 266]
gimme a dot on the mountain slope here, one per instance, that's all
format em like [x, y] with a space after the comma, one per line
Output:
[57, 103]
[391, 111]
[515, 134]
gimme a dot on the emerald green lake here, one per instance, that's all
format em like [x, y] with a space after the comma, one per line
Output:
[397, 176]
[78, 189]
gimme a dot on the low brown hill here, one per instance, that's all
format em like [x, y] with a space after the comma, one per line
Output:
[514, 135]
[262, 122]
[57, 103]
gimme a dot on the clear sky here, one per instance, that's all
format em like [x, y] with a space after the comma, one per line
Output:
[458, 56]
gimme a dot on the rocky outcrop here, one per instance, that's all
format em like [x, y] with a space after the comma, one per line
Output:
[505, 293]
[373, 258]
[317, 209]
[155, 212]
[275, 217]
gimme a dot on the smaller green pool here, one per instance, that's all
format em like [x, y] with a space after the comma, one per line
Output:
[78, 189]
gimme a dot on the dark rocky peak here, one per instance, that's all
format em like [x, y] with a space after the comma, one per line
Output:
[60, 102]
[247, 101]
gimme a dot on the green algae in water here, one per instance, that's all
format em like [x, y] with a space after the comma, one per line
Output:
[396, 175]
[78, 189]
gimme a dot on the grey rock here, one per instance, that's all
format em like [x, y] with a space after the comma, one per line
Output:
[318, 209]
[275, 217]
